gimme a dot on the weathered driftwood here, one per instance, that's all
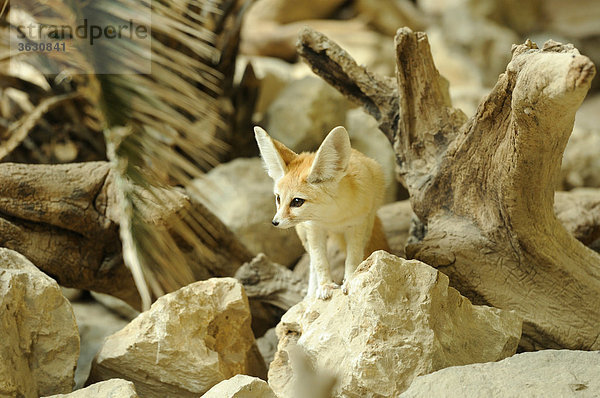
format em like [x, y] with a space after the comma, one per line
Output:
[64, 219]
[483, 188]
[56, 216]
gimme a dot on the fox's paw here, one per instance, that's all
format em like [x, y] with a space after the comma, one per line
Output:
[325, 290]
[345, 287]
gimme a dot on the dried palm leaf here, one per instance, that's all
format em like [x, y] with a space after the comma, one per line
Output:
[150, 120]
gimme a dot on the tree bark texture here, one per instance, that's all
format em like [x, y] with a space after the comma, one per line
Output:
[483, 187]
[57, 217]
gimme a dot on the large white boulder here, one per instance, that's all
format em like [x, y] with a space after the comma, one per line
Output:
[40, 342]
[548, 374]
[399, 320]
[186, 343]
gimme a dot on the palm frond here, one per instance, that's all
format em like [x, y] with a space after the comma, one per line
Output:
[18, 131]
[152, 121]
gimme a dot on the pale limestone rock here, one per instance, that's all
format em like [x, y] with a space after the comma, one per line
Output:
[40, 343]
[464, 77]
[271, 28]
[267, 345]
[468, 97]
[366, 137]
[438, 7]
[578, 211]
[581, 162]
[471, 52]
[399, 320]
[482, 40]
[113, 388]
[522, 16]
[186, 343]
[588, 114]
[308, 380]
[273, 75]
[548, 374]
[241, 386]
[240, 193]
[305, 111]
[368, 48]
[388, 16]
[574, 19]
[470, 45]
[455, 66]
[95, 323]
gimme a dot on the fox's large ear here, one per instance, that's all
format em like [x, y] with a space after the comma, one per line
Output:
[275, 155]
[332, 157]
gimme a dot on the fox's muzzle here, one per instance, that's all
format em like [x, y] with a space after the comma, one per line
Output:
[282, 223]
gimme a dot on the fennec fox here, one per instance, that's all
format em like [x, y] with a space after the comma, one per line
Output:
[335, 193]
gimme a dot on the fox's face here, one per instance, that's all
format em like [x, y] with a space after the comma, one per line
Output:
[304, 182]
[293, 199]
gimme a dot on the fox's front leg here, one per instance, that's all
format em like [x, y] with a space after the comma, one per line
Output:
[319, 265]
[302, 231]
[356, 239]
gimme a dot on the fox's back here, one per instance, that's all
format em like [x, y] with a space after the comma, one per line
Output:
[367, 174]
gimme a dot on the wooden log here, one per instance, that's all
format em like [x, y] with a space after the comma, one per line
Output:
[64, 218]
[56, 216]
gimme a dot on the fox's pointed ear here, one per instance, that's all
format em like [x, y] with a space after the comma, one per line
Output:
[332, 157]
[275, 155]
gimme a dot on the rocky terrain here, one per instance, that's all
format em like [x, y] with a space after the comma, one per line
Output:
[417, 322]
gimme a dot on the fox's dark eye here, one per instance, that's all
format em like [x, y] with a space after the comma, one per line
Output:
[277, 199]
[296, 202]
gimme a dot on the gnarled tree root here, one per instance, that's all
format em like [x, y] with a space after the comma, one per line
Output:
[483, 187]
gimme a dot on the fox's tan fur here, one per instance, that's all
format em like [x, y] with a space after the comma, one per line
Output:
[342, 190]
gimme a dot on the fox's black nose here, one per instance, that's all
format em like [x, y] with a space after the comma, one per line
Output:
[276, 223]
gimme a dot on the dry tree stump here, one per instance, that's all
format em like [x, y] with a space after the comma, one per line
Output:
[483, 187]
